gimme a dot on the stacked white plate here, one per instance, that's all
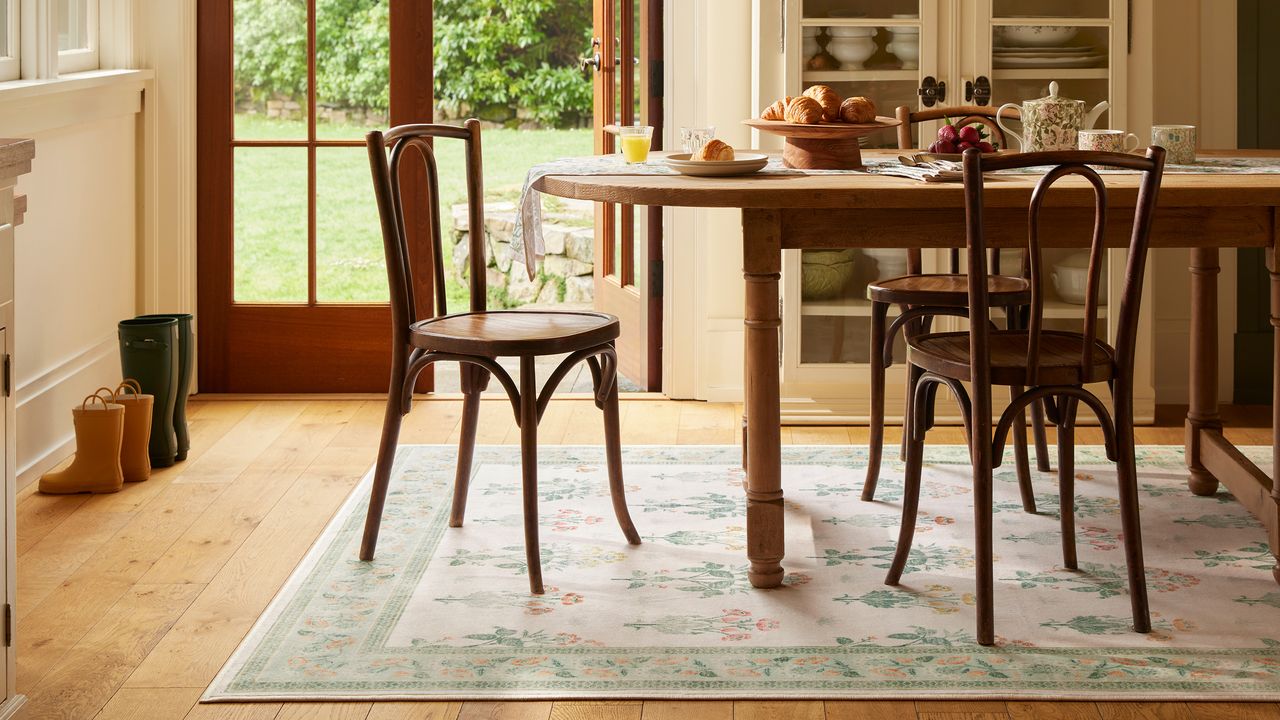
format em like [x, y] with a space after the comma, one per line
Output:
[1079, 56]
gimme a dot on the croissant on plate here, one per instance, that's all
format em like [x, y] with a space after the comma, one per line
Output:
[828, 99]
[858, 110]
[714, 150]
[804, 110]
[776, 111]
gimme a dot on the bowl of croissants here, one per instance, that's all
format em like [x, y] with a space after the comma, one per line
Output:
[717, 159]
[821, 129]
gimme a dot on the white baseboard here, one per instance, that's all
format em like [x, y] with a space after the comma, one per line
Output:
[12, 706]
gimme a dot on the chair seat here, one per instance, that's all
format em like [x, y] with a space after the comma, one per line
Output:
[947, 354]
[514, 332]
[947, 290]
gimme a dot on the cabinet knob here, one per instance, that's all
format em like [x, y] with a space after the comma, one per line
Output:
[978, 91]
[932, 91]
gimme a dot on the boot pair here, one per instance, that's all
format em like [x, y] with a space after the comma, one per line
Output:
[112, 430]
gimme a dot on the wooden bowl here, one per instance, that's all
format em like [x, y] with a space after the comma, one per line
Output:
[953, 157]
[822, 146]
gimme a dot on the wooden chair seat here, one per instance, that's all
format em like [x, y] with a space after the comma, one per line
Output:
[947, 290]
[514, 332]
[947, 354]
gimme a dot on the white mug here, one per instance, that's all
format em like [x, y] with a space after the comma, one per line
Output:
[1178, 140]
[1107, 141]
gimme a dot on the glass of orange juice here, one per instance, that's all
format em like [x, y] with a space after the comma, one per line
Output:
[635, 141]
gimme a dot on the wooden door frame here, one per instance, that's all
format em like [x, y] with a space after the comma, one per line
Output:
[262, 348]
[614, 284]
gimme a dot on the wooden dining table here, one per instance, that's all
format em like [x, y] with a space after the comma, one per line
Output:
[1201, 211]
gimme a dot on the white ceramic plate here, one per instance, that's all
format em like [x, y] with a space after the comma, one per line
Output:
[744, 163]
[1081, 61]
[1075, 50]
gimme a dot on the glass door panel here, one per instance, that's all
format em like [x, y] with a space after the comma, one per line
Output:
[350, 265]
[270, 211]
[862, 8]
[270, 69]
[353, 68]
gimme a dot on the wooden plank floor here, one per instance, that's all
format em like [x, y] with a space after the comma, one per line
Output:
[128, 604]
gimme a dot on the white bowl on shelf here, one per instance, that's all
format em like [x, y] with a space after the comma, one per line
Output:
[907, 49]
[851, 51]
[890, 263]
[1070, 278]
[1035, 35]
[854, 31]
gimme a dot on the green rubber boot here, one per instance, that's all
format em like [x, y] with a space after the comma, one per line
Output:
[186, 365]
[149, 354]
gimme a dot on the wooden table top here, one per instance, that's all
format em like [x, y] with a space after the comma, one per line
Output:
[882, 191]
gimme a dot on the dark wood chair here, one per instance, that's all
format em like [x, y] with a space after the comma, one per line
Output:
[476, 338]
[1054, 366]
[924, 297]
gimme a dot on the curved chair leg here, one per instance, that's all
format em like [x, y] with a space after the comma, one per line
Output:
[875, 445]
[911, 489]
[1067, 482]
[1021, 461]
[613, 456]
[1127, 475]
[1037, 432]
[382, 471]
[529, 471]
[473, 380]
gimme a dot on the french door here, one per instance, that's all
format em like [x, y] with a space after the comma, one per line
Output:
[292, 285]
[627, 56]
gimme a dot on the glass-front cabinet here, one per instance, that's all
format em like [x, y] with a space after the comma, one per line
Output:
[922, 53]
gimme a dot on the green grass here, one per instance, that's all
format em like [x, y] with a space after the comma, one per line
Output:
[271, 207]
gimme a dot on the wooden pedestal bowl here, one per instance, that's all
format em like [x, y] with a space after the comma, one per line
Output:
[824, 146]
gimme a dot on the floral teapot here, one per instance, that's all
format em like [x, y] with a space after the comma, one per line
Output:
[1052, 122]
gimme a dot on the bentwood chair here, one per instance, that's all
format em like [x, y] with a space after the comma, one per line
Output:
[475, 338]
[1053, 365]
[924, 297]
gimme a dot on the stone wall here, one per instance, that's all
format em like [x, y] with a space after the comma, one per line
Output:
[565, 275]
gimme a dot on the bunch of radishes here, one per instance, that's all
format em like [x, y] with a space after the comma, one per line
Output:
[952, 140]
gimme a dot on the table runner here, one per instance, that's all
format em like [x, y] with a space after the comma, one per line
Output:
[530, 206]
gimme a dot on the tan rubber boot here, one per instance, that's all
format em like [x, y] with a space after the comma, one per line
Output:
[135, 460]
[96, 467]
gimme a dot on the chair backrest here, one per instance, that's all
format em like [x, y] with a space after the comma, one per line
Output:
[1063, 163]
[968, 114]
[386, 153]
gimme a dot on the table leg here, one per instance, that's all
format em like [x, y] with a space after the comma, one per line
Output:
[761, 270]
[1203, 411]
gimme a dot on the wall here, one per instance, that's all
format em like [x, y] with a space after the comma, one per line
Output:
[75, 255]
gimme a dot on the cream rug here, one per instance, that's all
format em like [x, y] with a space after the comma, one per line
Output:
[446, 613]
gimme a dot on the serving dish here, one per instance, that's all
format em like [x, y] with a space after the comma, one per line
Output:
[822, 146]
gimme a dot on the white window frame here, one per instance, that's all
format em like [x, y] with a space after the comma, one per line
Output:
[80, 60]
[10, 65]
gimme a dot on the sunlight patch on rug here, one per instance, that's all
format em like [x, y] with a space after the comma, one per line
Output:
[446, 613]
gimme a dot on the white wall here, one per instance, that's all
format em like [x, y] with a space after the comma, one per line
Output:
[75, 255]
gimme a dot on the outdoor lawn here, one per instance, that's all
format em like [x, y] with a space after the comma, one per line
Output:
[271, 207]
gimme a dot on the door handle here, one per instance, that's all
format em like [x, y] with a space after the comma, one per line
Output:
[932, 91]
[593, 58]
[978, 91]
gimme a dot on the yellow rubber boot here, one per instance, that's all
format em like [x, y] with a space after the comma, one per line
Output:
[96, 467]
[135, 460]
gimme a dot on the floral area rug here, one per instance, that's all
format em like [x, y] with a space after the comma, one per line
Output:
[446, 613]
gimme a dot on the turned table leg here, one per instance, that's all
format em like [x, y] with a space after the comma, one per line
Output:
[761, 269]
[1203, 411]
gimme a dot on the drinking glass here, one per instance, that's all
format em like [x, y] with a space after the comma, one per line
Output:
[693, 138]
[634, 141]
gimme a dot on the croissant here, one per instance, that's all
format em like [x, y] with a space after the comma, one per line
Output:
[858, 110]
[805, 111]
[828, 99]
[714, 150]
[776, 111]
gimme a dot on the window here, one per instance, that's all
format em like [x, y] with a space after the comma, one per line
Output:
[9, 39]
[77, 22]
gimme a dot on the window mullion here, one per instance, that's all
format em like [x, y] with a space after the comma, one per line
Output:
[311, 152]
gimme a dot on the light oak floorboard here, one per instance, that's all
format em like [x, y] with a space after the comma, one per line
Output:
[189, 559]
[687, 710]
[150, 703]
